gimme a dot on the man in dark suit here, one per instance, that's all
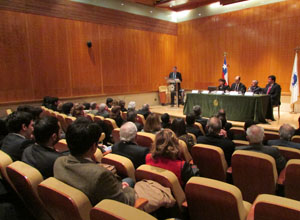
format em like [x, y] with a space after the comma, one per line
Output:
[197, 112]
[20, 127]
[81, 172]
[222, 86]
[42, 154]
[238, 86]
[286, 133]
[175, 75]
[255, 88]
[103, 110]
[255, 135]
[127, 146]
[190, 125]
[165, 121]
[132, 116]
[214, 127]
[145, 111]
[274, 90]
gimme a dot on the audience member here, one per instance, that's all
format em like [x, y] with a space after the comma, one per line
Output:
[222, 86]
[116, 115]
[77, 111]
[66, 108]
[286, 133]
[179, 128]
[214, 126]
[190, 125]
[94, 108]
[20, 128]
[145, 111]
[122, 105]
[166, 153]
[274, 90]
[243, 136]
[127, 146]
[3, 131]
[165, 120]
[197, 111]
[103, 111]
[42, 154]
[50, 102]
[131, 106]
[222, 116]
[87, 107]
[109, 102]
[79, 171]
[34, 111]
[152, 124]
[255, 135]
[131, 116]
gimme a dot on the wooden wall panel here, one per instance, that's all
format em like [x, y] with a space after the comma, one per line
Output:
[16, 81]
[259, 41]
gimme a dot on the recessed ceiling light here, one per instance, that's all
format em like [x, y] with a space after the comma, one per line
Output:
[151, 11]
[199, 14]
[122, 4]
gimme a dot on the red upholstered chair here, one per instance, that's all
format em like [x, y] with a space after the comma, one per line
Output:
[116, 135]
[145, 139]
[61, 146]
[141, 119]
[237, 130]
[253, 173]
[240, 143]
[124, 116]
[289, 153]
[296, 138]
[292, 180]
[199, 125]
[102, 137]
[97, 157]
[90, 116]
[62, 120]
[63, 201]
[70, 120]
[26, 179]
[5, 160]
[111, 123]
[210, 161]
[185, 154]
[211, 199]
[271, 135]
[98, 118]
[270, 207]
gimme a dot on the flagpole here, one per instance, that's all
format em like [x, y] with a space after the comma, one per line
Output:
[293, 105]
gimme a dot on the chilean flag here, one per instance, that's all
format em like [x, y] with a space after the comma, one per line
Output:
[225, 71]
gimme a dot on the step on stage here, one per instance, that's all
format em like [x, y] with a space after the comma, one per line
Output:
[285, 117]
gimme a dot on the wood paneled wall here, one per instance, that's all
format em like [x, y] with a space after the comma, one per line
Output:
[259, 41]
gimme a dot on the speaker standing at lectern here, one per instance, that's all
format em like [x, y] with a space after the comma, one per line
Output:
[172, 76]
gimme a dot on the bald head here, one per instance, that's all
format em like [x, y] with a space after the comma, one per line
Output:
[237, 79]
[286, 132]
[128, 132]
[214, 125]
[255, 134]
[254, 83]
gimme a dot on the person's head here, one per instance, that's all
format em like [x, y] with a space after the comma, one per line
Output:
[77, 110]
[165, 118]
[237, 79]
[66, 108]
[178, 126]
[82, 138]
[146, 107]
[102, 107]
[222, 116]
[190, 119]
[254, 83]
[248, 124]
[87, 106]
[94, 106]
[166, 145]
[175, 69]
[286, 132]
[222, 82]
[3, 128]
[255, 134]
[20, 123]
[128, 132]
[46, 131]
[115, 111]
[152, 123]
[109, 102]
[271, 79]
[214, 126]
[122, 103]
[131, 116]
[35, 111]
[197, 110]
[131, 105]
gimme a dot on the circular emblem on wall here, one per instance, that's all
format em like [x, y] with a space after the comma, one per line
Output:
[216, 103]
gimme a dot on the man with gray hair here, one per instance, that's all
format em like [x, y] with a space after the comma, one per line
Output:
[103, 110]
[131, 106]
[255, 88]
[286, 133]
[197, 111]
[255, 136]
[145, 111]
[127, 146]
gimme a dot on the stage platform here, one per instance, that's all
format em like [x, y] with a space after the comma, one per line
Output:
[285, 117]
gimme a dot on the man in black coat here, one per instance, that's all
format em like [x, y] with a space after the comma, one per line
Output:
[255, 88]
[222, 86]
[238, 86]
[190, 125]
[127, 146]
[274, 90]
[175, 75]
[197, 112]
[145, 111]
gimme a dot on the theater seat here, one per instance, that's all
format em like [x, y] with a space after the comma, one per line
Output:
[194, 137]
[63, 201]
[145, 139]
[102, 137]
[141, 119]
[70, 120]
[199, 125]
[237, 130]
[296, 138]
[5, 160]
[292, 180]
[165, 177]
[124, 116]
[90, 116]
[114, 210]
[185, 154]
[270, 207]
[26, 179]
[240, 143]
[62, 120]
[97, 157]
[209, 199]
[116, 135]
[61, 146]
[124, 166]
[271, 135]
[210, 161]
[253, 173]
[289, 153]
[98, 118]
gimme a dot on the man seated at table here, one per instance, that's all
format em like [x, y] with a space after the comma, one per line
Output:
[222, 85]
[255, 136]
[274, 90]
[237, 85]
[255, 88]
[286, 133]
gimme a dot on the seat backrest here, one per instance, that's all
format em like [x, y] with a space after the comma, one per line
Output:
[124, 166]
[116, 135]
[253, 173]
[164, 177]
[199, 125]
[70, 120]
[145, 139]
[275, 208]
[26, 179]
[5, 160]
[62, 120]
[211, 199]
[185, 154]
[296, 138]
[193, 136]
[61, 146]
[90, 116]
[271, 135]
[237, 130]
[63, 201]
[8, 111]
[210, 161]
[292, 180]
[111, 123]
[114, 210]
[289, 153]
[98, 118]
[141, 119]
[240, 143]
[97, 157]
[102, 137]
[124, 116]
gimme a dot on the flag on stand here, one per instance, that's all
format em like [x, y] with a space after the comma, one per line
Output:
[294, 87]
[225, 71]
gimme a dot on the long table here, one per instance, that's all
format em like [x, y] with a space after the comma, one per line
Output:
[238, 107]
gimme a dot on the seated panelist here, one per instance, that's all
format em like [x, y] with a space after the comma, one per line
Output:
[238, 86]
[255, 88]
[274, 90]
[222, 85]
